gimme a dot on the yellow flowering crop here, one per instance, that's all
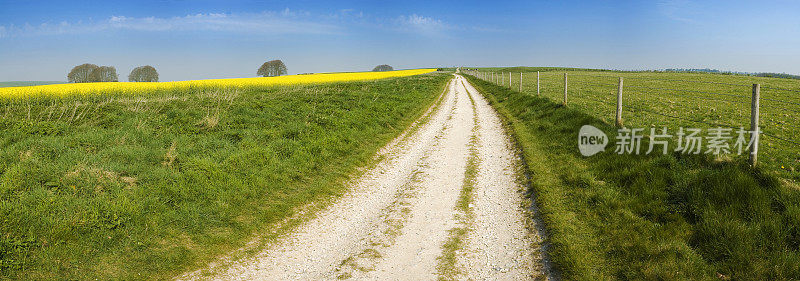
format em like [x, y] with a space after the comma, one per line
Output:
[145, 87]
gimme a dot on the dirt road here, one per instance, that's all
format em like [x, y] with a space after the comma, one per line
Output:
[444, 203]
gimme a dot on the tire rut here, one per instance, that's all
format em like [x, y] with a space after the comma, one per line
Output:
[399, 215]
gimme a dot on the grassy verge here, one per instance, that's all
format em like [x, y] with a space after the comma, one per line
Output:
[651, 216]
[112, 187]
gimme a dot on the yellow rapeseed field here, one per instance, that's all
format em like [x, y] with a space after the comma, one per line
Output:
[145, 87]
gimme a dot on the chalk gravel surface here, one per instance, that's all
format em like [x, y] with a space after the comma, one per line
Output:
[395, 221]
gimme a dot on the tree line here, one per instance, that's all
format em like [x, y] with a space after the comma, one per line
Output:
[88, 72]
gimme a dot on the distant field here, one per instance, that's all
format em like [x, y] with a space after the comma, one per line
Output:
[691, 100]
[144, 187]
[147, 88]
[28, 83]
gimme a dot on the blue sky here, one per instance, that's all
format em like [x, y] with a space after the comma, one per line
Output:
[43, 40]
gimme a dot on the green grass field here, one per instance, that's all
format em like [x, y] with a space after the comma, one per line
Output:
[648, 217]
[652, 99]
[147, 187]
[28, 83]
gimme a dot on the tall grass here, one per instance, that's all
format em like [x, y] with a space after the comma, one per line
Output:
[652, 217]
[146, 187]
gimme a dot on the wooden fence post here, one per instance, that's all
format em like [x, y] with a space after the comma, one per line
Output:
[520, 82]
[619, 104]
[537, 83]
[565, 88]
[509, 80]
[754, 128]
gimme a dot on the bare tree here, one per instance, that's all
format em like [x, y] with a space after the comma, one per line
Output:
[104, 74]
[383, 67]
[81, 73]
[143, 74]
[272, 68]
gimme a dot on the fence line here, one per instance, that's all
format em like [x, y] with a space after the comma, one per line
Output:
[780, 138]
[688, 81]
[692, 91]
[781, 108]
[597, 76]
[754, 100]
[781, 89]
[641, 109]
[595, 83]
[697, 97]
[782, 124]
[781, 101]
[674, 94]
[597, 100]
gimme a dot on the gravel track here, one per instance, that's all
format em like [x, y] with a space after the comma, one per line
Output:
[394, 222]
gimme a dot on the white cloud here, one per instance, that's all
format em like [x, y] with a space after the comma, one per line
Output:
[264, 23]
[420, 24]
[678, 10]
[283, 22]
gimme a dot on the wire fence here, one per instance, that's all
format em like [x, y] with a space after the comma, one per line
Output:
[775, 110]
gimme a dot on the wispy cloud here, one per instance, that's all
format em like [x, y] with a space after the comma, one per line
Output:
[263, 23]
[678, 10]
[280, 22]
[422, 25]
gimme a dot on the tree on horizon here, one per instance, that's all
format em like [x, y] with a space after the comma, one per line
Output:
[383, 67]
[104, 74]
[143, 74]
[81, 73]
[272, 68]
